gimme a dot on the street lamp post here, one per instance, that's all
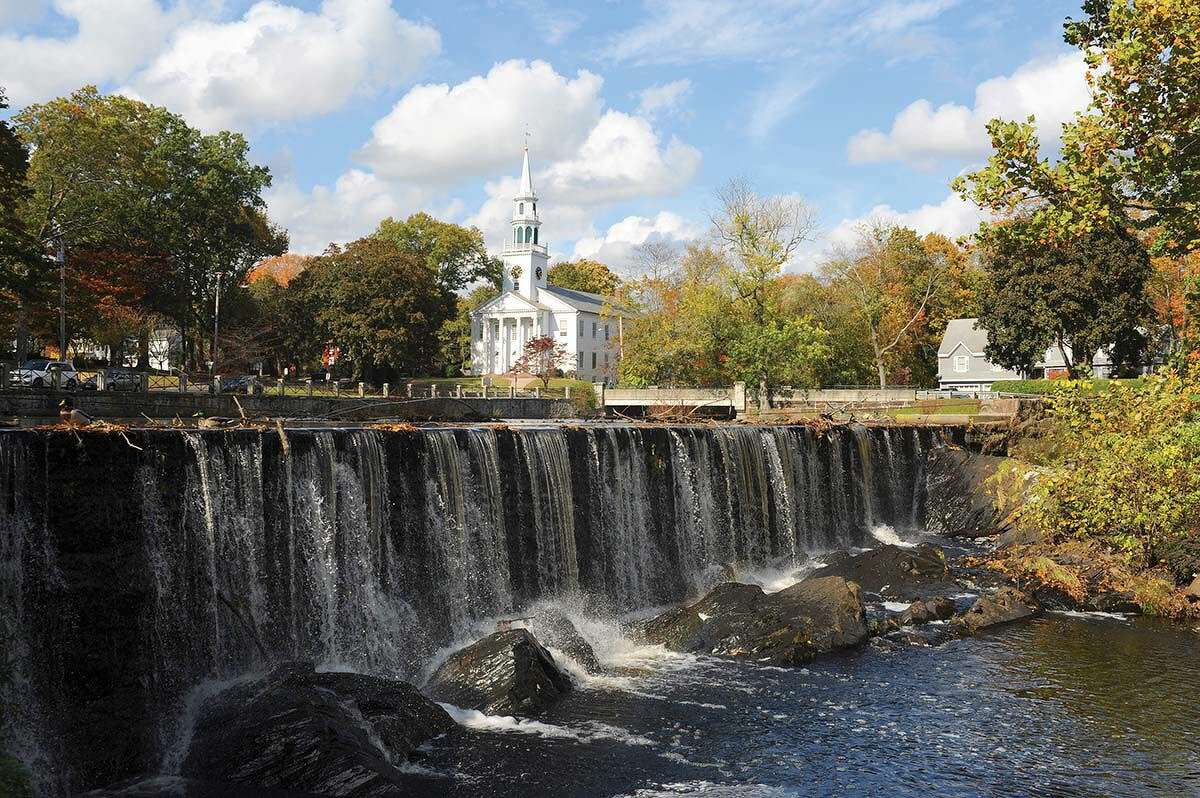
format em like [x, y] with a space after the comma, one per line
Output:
[216, 322]
[61, 256]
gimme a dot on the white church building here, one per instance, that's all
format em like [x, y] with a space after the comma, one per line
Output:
[588, 326]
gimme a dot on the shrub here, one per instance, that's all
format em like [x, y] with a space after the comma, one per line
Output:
[1125, 472]
[1056, 385]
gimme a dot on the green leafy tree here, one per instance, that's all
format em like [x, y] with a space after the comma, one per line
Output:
[1133, 154]
[380, 303]
[584, 274]
[111, 172]
[24, 273]
[792, 350]
[759, 235]
[1076, 298]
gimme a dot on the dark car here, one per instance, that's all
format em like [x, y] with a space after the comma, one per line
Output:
[247, 384]
[115, 379]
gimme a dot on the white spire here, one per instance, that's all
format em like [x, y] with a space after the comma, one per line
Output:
[526, 191]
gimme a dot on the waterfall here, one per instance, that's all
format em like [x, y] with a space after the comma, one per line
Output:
[371, 550]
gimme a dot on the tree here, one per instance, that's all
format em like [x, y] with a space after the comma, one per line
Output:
[1134, 154]
[759, 235]
[1075, 297]
[381, 304]
[583, 274]
[23, 270]
[111, 172]
[890, 279]
[793, 350]
[544, 358]
[456, 254]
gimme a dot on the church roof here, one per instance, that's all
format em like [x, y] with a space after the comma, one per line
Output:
[582, 300]
[526, 180]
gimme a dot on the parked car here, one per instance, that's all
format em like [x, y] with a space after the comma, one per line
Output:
[38, 373]
[115, 379]
[247, 384]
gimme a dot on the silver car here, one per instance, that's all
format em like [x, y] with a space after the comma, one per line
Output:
[39, 373]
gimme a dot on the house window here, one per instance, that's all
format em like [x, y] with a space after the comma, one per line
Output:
[962, 363]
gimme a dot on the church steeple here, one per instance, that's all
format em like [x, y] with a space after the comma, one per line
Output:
[525, 254]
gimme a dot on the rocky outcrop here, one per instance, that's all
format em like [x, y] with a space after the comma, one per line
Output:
[1005, 605]
[894, 571]
[1192, 591]
[790, 627]
[556, 630]
[323, 733]
[919, 612]
[505, 673]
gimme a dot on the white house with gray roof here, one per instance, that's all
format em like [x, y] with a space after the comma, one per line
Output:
[588, 326]
[963, 366]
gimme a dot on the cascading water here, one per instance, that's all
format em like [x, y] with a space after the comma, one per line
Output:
[369, 550]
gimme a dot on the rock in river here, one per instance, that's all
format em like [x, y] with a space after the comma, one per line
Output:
[505, 673]
[894, 571]
[324, 733]
[556, 630]
[1005, 605]
[920, 612]
[790, 627]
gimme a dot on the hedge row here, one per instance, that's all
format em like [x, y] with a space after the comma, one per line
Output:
[1050, 386]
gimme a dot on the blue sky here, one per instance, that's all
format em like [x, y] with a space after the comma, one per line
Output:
[637, 111]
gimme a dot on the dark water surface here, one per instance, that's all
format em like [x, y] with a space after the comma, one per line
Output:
[1060, 706]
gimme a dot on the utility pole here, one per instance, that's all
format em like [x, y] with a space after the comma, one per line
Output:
[62, 298]
[216, 323]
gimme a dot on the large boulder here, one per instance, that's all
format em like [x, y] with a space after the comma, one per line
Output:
[790, 627]
[894, 571]
[505, 673]
[1005, 605]
[324, 733]
[556, 630]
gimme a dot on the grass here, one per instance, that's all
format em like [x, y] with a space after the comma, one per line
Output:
[940, 407]
[1040, 387]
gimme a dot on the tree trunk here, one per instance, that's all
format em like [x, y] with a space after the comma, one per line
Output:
[878, 359]
[22, 334]
[143, 358]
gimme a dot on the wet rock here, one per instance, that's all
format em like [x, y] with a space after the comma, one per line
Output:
[790, 627]
[176, 787]
[921, 612]
[956, 503]
[324, 733]
[505, 673]
[556, 630]
[1005, 605]
[894, 571]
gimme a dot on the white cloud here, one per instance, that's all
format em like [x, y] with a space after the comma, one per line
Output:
[110, 41]
[621, 159]
[440, 133]
[952, 217]
[1052, 90]
[618, 246]
[664, 97]
[348, 209]
[775, 103]
[690, 31]
[279, 62]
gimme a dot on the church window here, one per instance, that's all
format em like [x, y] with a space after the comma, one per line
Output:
[535, 235]
[593, 360]
[593, 331]
[528, 234]
[521, 208]
[535, 208]
[517, 236]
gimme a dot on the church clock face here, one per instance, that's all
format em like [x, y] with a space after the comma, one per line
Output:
[538, 272]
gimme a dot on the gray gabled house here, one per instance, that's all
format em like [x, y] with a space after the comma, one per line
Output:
[963, 366]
